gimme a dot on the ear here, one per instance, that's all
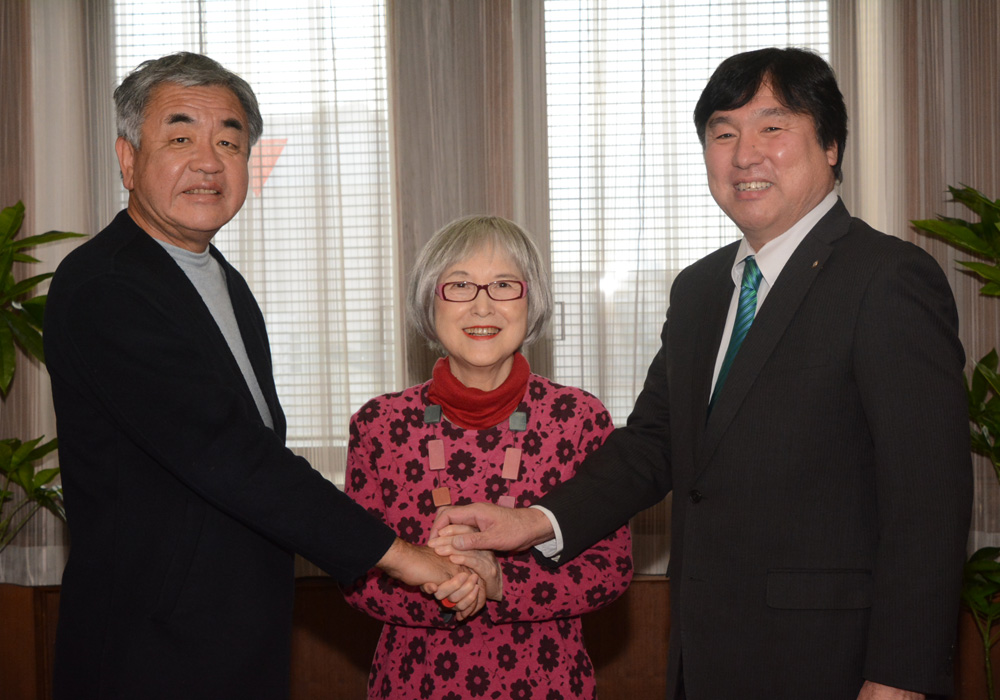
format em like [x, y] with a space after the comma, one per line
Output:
[831, 154]
[126, 161]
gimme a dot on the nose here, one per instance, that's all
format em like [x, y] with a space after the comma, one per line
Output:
[206, 159]
[747, 153]
[482, 305]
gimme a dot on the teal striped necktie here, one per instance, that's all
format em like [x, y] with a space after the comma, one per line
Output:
[744, 317]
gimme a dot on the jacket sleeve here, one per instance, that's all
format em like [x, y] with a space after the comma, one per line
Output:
[629, 473]
[532, 591]
[150, 369]
[908, 363]
[376, 594]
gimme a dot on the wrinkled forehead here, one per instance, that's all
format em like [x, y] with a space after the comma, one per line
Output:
[171, 103]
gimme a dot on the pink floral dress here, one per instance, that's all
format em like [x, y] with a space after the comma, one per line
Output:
[530, 644]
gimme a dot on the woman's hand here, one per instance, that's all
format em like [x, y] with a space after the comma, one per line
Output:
[482, 562]
[464, 594]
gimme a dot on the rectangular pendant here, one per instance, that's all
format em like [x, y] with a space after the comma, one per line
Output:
[511, 463]
[441, 496]
[435, 454]
[518, 421]
[506, 501]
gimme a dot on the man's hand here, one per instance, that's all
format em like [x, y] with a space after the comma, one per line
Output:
[877, 691]
[420, 566]
[416, 566]
[482, 562]
[499, 529]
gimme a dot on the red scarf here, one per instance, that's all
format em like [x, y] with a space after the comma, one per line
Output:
[474, 408]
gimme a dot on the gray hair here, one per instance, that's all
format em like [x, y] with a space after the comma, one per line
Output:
[187, 70]
[458, 241]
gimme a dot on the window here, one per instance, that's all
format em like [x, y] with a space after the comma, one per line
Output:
[314, 239]
[629, 201]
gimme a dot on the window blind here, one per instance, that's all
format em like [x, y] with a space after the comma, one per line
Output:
[314, 239]
[630, 205]
[629, 200]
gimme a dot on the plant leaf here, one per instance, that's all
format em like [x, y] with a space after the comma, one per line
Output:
[23, 287]
[27, 337]
[34, 309]
[22, 453]
[7, 358]
[41, 450]
[990, 375]
[987, 209]
[958, 235]
[990, 273]
[11, 219]
[47, 237]
[44, 476]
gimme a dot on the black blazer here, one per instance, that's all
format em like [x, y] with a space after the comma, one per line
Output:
[183, 507]
[821, 512]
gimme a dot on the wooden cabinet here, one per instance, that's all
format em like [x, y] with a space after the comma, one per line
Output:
[333, 644]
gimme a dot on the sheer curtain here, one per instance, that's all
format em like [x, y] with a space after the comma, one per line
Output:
[314, 239]
[630, 205]
[921, 84]
[919, 77]
[44, 59]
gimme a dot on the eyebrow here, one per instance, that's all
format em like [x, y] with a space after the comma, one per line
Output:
[182, 118]
[765, 113]
[499, 277]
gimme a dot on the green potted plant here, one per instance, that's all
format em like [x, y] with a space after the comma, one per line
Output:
[24, 488]
[981, 582]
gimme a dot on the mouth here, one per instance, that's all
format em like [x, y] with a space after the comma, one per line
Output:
[202, 190]
[754, 186]
[481, 331]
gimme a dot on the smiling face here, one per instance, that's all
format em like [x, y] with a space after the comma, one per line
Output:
[766, 167]
[482, 335]
[190, 174]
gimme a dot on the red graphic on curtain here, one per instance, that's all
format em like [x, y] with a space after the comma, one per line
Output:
[262, 160]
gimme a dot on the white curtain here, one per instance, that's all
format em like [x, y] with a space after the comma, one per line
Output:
[921, 84]
[919, 78]
[629, 201]
[314, 239]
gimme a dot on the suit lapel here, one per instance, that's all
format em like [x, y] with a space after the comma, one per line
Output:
[773, 318]
[718, 296]
[149, 256]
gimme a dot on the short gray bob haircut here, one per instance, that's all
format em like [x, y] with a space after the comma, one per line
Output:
[187, 70]
[462, 239]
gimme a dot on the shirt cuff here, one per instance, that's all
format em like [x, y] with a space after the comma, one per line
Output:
[552, 548]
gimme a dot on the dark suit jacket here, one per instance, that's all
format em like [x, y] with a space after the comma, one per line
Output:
[821, 511]
[183, 508]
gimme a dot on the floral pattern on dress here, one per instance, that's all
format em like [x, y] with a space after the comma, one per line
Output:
[530, 644]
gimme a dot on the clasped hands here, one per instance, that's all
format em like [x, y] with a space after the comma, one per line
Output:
[458, 565]
[462, 580]
[478, 579]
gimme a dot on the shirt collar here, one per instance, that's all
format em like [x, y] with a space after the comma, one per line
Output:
[772, 257]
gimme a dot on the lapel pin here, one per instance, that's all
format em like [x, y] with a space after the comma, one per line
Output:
[815, 263]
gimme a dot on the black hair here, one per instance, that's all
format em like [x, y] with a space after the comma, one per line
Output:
[800, 80]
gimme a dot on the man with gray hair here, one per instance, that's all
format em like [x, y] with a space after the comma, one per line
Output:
[183, 503]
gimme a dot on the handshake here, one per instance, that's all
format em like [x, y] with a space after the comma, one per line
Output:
[457, 566]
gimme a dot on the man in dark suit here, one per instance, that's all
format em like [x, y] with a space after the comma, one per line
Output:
[807, 411]
[184, 505]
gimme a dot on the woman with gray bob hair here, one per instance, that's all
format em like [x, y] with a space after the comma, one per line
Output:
[484, 428]
[187, 70]
[457, 241]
